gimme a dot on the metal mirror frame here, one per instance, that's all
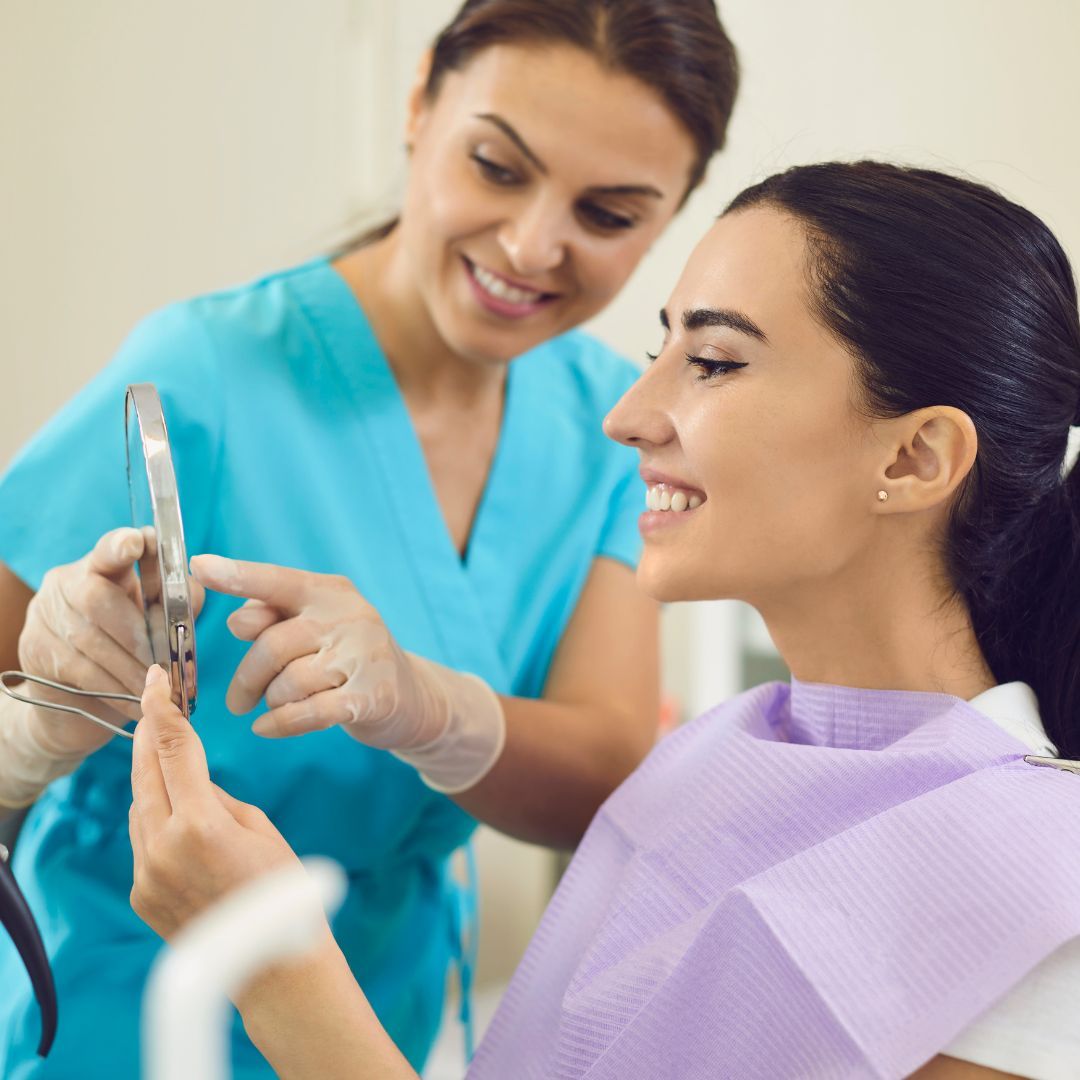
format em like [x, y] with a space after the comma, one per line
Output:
[163, 569]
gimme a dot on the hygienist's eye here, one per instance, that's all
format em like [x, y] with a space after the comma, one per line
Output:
[493, 171]
[605, 220]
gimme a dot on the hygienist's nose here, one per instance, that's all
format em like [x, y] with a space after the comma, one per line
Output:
[639, 418]
[534, 240]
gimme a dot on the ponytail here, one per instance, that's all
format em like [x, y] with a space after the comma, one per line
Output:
[1032, 630]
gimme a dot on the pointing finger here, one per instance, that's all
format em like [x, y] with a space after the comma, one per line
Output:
[281, 587]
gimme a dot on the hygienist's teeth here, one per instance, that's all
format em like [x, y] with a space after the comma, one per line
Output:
[665, 499]
[652, 499]
[679, 501]
[497, 287]
[694, 502]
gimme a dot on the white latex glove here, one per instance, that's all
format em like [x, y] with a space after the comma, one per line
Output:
[321, 656]
[84, 628]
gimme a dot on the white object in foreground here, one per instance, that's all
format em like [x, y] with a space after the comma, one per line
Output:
[187, 1008]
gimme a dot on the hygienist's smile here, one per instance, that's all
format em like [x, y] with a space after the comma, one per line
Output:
[503, 296]
[514, 234]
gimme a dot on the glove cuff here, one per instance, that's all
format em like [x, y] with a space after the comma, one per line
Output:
[474, 735]
[27, 767]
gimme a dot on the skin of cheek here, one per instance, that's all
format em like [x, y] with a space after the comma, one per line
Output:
[459, 215]
[786, 505]
[450, 209]
[781, 449]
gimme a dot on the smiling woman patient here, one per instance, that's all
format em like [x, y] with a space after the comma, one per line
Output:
[858, 423]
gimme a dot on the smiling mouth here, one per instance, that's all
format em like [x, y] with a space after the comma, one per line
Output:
[502, 292]
[668, 499]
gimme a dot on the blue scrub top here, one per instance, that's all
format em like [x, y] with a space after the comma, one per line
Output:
[293, 446]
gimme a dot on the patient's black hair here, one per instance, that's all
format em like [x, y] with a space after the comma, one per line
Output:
[947, 293]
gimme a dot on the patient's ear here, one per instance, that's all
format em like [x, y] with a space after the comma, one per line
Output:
[929, 453]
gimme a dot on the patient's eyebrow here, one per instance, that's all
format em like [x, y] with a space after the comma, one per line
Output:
[697, 318]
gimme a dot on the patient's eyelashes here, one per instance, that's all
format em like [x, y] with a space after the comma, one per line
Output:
[711, 369]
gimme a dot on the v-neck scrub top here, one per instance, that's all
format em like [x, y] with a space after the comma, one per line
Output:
[293, 445]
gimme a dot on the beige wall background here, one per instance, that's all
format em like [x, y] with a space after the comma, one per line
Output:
[152, 150]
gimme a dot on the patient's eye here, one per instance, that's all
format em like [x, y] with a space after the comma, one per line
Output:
[711, 369]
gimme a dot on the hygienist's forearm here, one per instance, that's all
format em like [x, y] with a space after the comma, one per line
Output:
[560, 762]
[311, 1021]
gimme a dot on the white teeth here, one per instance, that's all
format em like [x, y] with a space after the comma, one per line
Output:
[661, 497]
[501, 291]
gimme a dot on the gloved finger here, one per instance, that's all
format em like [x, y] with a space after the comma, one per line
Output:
[198, 596]
[316, 713]
[179, 751]
[116, 553]
[44, 653]
[249, 621]
[273, 650]
[281, 587]
[106, 627]
[97, 598]
[301, 679]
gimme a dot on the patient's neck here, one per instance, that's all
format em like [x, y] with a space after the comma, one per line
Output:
[878, 627]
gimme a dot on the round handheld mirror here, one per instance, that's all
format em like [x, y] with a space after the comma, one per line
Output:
[155, 512]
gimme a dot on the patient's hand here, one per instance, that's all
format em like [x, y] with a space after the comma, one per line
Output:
[193, 842]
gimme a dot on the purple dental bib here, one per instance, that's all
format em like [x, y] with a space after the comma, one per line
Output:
[807, 881]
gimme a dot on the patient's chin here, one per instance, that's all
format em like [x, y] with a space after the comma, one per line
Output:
[669, 584]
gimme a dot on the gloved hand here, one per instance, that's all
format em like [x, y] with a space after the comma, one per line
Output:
[84, 628]
[321, 656]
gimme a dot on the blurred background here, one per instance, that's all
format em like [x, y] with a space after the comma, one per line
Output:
[152, 150]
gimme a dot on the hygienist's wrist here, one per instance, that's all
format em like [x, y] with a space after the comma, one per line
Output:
[472, 738]
[27, 763]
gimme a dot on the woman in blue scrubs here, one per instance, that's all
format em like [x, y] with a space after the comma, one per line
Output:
[361, 417]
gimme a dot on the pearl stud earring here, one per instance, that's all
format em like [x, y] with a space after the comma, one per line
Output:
[882, 496]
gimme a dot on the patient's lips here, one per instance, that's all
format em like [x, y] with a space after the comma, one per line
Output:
[669, 494]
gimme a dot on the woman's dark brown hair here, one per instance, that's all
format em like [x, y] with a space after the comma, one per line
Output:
[676, 47]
